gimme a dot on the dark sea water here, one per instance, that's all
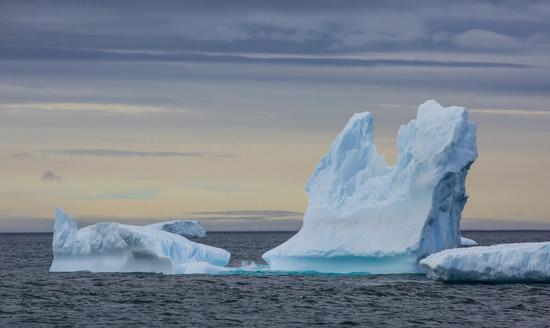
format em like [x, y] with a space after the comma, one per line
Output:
[30, 296]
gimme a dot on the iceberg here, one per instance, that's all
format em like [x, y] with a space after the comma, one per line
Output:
[185, 228]
[113, 247]
[467, 242]
[521, 262]
[365, 216]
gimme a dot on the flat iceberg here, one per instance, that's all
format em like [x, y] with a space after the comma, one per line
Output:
[498, 263]
[366, 216]
[113, 247]
[467, 242]
[185, 228]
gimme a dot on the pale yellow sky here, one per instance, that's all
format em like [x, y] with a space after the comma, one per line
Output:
[264, 171]
[124, 112]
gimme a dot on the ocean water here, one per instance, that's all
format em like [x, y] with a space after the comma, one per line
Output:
[30, 296]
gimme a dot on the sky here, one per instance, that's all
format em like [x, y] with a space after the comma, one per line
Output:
[136, 111]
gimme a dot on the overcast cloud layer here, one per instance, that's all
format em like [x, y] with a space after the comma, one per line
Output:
[278, 27]
[142, 109]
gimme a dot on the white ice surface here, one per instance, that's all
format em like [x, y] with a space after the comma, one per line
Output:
[498, 263]
[186, 228]
[366, 216]
[467, 242]
[113, 247]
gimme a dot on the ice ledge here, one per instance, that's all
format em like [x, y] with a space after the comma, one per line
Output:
[113, 247]
[521, 262]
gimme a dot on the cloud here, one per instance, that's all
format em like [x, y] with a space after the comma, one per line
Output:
[20, 155]
[244, 216]
[123, 153]
[485, 39]
[488, 111]
[50, 176]
[523, 112]
[100, 107]
[252, 212]
[141, 194]
[268, 26]
[495, 224]
[75, 54]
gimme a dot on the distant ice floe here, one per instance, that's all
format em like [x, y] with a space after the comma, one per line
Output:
[114, 247]
[467, 242]
[185, 228]
[521, 262]
[366, 216]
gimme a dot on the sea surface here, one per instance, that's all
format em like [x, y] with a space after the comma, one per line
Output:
[30, 296]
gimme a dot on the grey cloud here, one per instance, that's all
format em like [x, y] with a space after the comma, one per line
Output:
[244, 216]
[255, 213]
[522, 112]
[486, 40]
[269, 26]
[132, 153]
[20, 155]
[123, 153]
[74, 54]
[50, 176]
[491, 224]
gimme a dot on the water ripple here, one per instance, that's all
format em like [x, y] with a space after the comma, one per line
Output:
[30, 296]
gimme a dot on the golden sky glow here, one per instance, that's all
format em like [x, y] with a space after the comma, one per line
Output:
[165, 109]
[266, 170]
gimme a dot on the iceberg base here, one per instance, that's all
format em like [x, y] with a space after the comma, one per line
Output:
[345, 264]
[132, 262]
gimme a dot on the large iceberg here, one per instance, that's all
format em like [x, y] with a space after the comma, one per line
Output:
[185, 228]
[497, 263]
[113, 247]
[366, 216]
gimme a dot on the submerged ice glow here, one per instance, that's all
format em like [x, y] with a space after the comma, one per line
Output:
[366, 216]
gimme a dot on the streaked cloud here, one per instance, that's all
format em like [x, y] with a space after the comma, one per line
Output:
[284, 26]
[140, 194]
[241, 213]
[20, 155]
[485, 39]
[522, 112]
[99, 107]
[76, 54]
[123, 153]
[242, 216]
[488, 111]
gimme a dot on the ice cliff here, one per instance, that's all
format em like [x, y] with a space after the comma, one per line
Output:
[113, 247]
[498, 263]
[186, 228]
[366, 216]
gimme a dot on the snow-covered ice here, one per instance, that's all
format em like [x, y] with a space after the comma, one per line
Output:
[467, 242]
[186, 228]
[497, 263]
[113, 247]
[366, 216]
